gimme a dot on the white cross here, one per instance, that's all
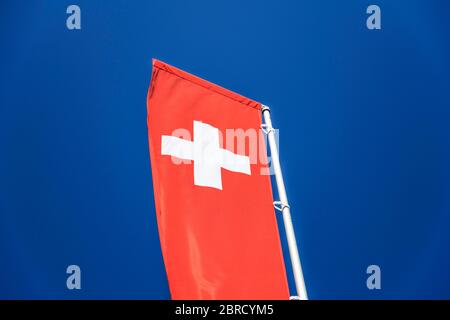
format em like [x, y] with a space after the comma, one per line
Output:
[207, 155]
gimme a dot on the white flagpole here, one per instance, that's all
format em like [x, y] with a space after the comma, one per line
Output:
[283, 206]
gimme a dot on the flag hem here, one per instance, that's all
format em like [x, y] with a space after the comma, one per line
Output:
[206, 84]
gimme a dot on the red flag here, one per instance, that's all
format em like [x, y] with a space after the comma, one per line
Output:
[214, 203]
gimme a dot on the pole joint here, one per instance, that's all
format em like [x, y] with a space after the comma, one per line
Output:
[264, 108]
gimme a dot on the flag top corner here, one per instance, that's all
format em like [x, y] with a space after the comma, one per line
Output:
[160, 65]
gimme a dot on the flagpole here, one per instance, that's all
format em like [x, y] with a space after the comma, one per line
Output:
[283, 206]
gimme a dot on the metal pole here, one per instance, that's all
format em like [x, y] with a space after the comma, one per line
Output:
[283, 206]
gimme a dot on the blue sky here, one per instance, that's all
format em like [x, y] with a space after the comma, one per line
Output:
[364, 137]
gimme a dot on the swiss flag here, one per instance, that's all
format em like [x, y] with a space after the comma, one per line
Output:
[213, 200]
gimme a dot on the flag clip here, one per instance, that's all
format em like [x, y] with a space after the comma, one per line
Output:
[266, 129]
[280, 206]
